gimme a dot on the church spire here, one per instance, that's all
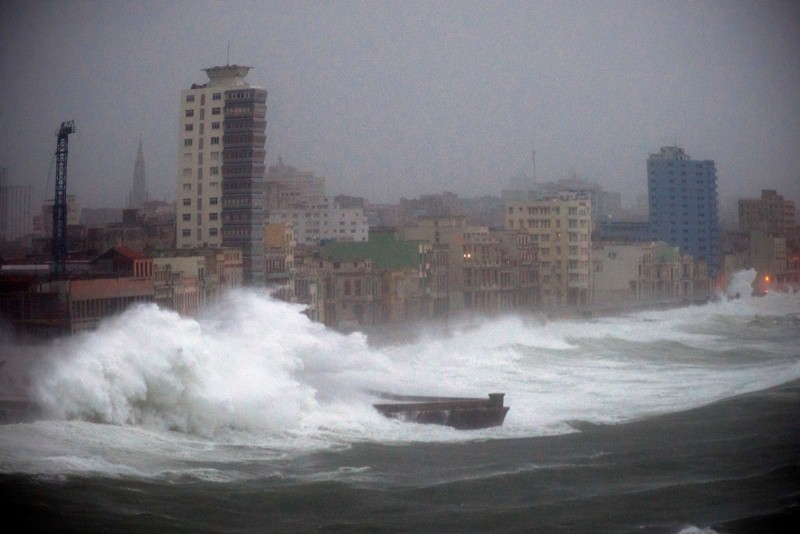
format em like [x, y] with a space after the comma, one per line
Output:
[138, 194]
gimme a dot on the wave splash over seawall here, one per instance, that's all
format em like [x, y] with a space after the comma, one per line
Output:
[256, 365]
[251, 363]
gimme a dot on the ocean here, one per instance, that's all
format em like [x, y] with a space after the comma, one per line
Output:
[251, 418]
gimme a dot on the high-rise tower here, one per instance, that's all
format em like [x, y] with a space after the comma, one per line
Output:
[138, 195]
[683, 204]
[221, 166]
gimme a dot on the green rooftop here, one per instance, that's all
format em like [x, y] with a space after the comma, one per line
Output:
[383, 248]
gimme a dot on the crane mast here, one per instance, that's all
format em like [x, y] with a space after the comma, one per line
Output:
[60, 201]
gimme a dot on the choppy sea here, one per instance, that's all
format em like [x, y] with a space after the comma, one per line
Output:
[253, 419]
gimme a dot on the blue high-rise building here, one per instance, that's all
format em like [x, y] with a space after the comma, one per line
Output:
[682, 194]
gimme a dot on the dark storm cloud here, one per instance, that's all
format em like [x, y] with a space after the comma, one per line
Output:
[390, 99]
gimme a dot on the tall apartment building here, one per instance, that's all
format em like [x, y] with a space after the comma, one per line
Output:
[138, 194]
[683, 204]
[221, 167]
[771, 213]
[561, 230]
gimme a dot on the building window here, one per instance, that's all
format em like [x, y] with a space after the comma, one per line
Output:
[212, 232]
[215, 126]
[215, 140]
[214, 170]
[189, 113]
[190, 98]
[186, 233]
[188, 127]
[187, 187]
[187, 216]
[187, 142]
[215, 155]
[213, 201]
[216, 96]
[187, 172]
[187, 201]
[212, 216]
[214, 111]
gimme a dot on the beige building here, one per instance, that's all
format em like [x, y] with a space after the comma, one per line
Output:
[499, 271]
[179, 283]
[446, 236]
[561, 230]
[187, 283]
[641, 274]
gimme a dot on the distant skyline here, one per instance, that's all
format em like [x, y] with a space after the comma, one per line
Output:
[397, 99]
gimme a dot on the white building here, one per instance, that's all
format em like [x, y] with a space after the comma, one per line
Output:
[323, 221]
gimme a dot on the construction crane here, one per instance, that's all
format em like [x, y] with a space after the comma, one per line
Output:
[60, 201]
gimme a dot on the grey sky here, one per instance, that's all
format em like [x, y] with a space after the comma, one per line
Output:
[391, 99]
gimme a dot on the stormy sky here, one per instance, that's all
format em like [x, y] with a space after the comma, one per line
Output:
[392, 99]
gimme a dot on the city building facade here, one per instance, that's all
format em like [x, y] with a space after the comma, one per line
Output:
[316, 222]
[561, 230]
[771, 213]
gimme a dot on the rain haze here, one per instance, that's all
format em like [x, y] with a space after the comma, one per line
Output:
[396, 99]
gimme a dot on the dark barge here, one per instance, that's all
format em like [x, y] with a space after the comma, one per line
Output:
[463, 413]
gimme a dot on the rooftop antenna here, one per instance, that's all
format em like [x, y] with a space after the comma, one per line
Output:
[228, 56]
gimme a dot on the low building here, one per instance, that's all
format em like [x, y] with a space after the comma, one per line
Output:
[636, 275]
[500, 273]
[317, 222]
[35, 305]
[381, 280]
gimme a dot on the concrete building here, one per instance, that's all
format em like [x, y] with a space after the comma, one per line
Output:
[382, 280]
[279, 247]
[561, 230]
[500, 271]
[606, 205]
[179, 283]
[287, 187]
[73, 214]
[446, 236]
[325, 220]
[630, 275]
[221, 167]
[32, 304]
[16, 218]
[771, 213]
[138, 194]
[682, 195]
